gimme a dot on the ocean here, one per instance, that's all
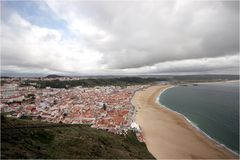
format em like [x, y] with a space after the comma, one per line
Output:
[212, 107]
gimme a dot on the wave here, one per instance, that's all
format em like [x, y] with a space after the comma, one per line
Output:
[192, 123]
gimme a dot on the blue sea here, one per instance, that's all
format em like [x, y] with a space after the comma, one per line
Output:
[212, 107]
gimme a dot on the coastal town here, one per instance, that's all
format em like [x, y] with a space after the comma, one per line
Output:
[103, 107]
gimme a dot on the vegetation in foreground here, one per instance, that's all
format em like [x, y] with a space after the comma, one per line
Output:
[67, 141]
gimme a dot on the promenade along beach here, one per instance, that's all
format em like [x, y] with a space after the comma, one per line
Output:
[168, 134]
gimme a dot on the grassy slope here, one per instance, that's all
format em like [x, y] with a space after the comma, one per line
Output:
[73, 141]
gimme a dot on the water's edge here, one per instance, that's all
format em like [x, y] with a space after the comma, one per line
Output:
[192, 123]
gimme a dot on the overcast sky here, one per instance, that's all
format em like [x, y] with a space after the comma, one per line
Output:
[120, 37]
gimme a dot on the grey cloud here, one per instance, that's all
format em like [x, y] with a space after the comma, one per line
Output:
[127, 37]
[151, 32]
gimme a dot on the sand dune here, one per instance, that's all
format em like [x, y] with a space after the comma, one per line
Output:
[169, 135]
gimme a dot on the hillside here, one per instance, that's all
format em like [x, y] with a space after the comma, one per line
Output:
[125, 81]
[53, 76]
[66, 141]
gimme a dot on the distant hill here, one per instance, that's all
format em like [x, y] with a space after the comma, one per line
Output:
[66, 142]
[124, 81]
[53, 76]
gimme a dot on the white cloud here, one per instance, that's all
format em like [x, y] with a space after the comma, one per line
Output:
[202, 65]
[27, 46]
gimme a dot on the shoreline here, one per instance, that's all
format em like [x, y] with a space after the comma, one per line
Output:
[192, 123]
[169, 135]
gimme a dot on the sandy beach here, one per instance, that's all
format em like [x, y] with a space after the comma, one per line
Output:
[168, 135]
